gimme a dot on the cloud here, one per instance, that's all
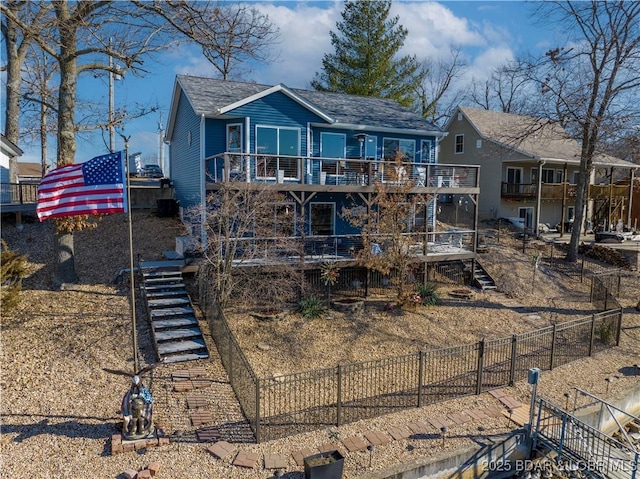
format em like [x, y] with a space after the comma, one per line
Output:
[304, 39]
[434, 29]
[487, 61]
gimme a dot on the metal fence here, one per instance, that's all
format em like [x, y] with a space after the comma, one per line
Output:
[583, 446]
[289, 404]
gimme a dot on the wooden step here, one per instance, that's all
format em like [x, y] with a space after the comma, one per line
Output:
[155, 273]
[181, 346]
[162, 281]
[185, 357]
[174, 323]
[166, 294]
[168, 302]
[160, 313]
[178, 334]
[163, 287]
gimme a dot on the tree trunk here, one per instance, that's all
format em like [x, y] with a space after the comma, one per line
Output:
[66, 271]
[15, 59]
[578, 221]
[66, 129]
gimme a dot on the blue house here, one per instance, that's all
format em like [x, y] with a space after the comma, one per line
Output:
[322, 150]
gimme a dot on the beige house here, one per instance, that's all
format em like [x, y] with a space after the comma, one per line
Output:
[529, 170]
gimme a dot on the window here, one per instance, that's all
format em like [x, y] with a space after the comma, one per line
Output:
[576, 175]
[571, 213]
[548, 175]
[514, 175]
[332, 145]
[478, 143]
[273, 141]
[234, 138]
[322, 218]
[234, 145]
[459, 145]
[427, 153]
[392, 146]
[559, 176]
[371, 148]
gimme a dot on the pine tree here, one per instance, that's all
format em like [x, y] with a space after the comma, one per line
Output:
[364, 62]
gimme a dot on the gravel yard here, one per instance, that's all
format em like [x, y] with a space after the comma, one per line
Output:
[59, 408]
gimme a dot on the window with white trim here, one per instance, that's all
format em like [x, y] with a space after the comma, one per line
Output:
[459, 144]
[272, 141]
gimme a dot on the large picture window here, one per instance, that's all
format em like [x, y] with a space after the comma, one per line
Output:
[391, 147]
[274, 141]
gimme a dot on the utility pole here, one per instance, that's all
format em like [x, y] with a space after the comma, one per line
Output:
[112, 132]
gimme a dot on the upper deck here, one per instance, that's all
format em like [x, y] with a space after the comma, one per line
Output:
[339, 175]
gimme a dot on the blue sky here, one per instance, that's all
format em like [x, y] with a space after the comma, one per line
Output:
[489, 33]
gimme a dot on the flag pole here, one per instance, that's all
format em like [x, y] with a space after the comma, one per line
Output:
[134, 336]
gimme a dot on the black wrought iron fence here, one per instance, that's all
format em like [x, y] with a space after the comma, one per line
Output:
[288, 404]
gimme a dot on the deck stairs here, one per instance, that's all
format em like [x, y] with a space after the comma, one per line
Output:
[176, 333]
[482, 279]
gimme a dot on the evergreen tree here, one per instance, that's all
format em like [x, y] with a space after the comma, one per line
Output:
[364, 62]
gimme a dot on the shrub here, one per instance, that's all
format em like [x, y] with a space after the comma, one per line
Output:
[311, 307]
[14, 269]
[428, 294]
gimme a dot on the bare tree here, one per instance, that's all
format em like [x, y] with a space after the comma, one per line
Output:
[78, 38]
[507, 90]
[230, 34]
[252, 252]
[438, 95]
[591, 84]
[17, 44]
[386, 228]
[39, 97]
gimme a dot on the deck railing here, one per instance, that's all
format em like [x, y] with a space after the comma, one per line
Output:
[556, 191]
[18, 193]
[252, 168]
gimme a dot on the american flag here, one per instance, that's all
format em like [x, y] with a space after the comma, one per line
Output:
[95, 187]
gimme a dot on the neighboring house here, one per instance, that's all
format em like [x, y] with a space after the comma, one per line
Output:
[529, 170]
[29, 172]
[323, 149]
[9, 154]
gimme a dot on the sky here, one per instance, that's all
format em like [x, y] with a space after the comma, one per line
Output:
[488, 34]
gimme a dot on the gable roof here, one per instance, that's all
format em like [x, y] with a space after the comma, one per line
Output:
[538, 138]
[213, 98]
[29, 169]
[533, 137]
[8, 147]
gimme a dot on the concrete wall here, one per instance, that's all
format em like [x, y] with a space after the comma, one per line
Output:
[472, 462]
[600, 418]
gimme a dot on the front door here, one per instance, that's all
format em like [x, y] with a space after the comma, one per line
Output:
[526, 216]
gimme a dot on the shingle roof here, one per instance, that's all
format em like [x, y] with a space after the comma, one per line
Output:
[208, 95]
[531, 136]
[29, 169]
[538, 138]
